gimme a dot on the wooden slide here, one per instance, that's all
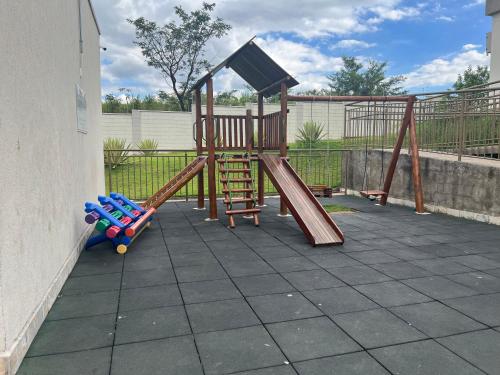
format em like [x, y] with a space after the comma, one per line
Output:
[176, 183]
[316, 223]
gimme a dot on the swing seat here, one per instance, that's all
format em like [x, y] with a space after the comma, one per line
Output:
[372, 193]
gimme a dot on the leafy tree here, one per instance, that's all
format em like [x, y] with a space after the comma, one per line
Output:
[355, 79]
[177, 50]
[471, 77]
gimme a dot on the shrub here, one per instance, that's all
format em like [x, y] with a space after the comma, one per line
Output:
[148, 147]
[116, 151]
[310, 134]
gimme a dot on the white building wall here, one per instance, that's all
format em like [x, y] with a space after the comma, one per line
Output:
[174, 130]
[495, 48]
[49, 169]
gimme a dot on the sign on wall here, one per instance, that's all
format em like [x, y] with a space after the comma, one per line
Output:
[81, 110]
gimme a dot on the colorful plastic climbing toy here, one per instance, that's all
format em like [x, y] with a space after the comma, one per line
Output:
[119, 221]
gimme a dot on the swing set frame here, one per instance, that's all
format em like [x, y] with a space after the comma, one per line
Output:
[408, 124]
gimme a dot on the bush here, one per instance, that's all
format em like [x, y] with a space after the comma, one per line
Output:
[148, 147]
[116, 151]
[310, 134]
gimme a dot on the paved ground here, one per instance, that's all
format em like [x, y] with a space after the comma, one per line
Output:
[406, 294]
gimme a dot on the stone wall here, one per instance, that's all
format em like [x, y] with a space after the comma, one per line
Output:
[470, 188]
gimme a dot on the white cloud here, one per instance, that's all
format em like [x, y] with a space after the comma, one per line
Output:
[468, 47]
[444, 71]
[445, 18]
[474, 3]
[352, 44]
[314, 20]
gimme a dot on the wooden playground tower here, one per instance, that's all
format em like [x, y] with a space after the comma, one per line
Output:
[218, 136]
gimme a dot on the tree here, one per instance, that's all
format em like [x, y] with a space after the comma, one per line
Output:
[354, 79]
[471, 77]
[178, 50]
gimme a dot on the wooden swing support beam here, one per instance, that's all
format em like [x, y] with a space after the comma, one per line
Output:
[408, 123]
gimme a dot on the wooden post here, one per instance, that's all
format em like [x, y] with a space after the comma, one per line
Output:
[282, 133]
[249, 147]
[397, 149]
[199, 148]
[415, 167]
[260, 145]
[212, 194]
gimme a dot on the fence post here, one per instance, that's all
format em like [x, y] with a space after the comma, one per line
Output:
[461, 130]
[109, 173]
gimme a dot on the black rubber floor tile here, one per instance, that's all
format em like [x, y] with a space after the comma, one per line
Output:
[391, 293]
[92, 284]
[146, 263]
[149, 297]
[200, 273]
[481, 348]
[277, 370]
[89, 362]
[142, 325]
[97, 267]
[373, 257]
[312, 279]
[61, 336]
[436, 319]
[476, 262]
[484, 308]
[262, 284]
[441, 266]
[206, 291]
[221, 315]
[140, 279]
[402, 270]
[355, 275]
[292, 264]
[376, 328]
[479, 281]
[339, 300]
[281, 307]
[176, 355]
[311, 338]
[192, 259]
[247, 268]
[346, 364]
[439, 287]
[273, 252]
[334, 260]
[238, 350]
[80, 305]
[423, 357]
[408, 253]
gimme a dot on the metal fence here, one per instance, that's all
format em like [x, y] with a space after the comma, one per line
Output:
[138, 174]
[463, 123]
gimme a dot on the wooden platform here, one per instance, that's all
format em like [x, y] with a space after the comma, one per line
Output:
[315, 222]
[372, 193]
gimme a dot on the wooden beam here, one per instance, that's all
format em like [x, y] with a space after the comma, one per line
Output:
[315, 98]
[199, 147]
[415, 167]
[282, 136]
[397, 149]
[274, 84]
[260, 146]
[212, 193]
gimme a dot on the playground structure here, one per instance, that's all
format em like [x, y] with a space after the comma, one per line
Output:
[227, 141]
[119, 221]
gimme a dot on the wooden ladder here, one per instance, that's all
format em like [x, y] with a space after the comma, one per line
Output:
[237, 171]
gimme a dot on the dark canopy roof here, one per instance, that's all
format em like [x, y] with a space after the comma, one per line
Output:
[256, 68]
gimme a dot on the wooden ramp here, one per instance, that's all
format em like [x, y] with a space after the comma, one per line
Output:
[176, 183]
[316, 223]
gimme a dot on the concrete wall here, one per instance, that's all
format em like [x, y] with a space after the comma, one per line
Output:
[174, 130]
[49, 168]
[470, 188]
[495, 48]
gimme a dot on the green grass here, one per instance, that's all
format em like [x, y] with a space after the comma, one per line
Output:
[336, 208]
[142, 176]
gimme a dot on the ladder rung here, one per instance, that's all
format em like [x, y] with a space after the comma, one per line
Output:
[235, 180]
[243, 211]
[238, 190]
[238, 200]
[236, 170]
[222, 161]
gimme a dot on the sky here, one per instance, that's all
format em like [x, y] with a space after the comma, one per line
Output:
[428, 41]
